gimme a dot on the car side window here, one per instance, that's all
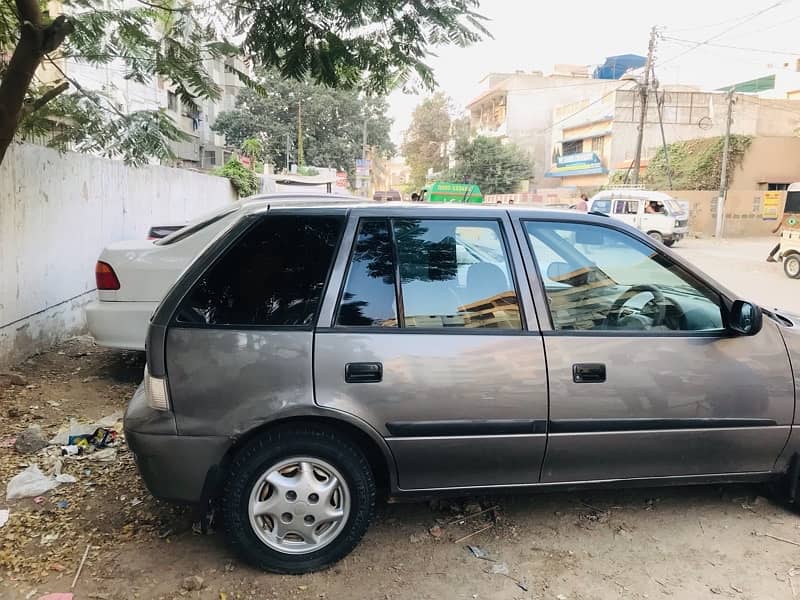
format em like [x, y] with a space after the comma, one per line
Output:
[599, 279]
[455, 273]
[273, 275]
[369, 299]
[602, 206]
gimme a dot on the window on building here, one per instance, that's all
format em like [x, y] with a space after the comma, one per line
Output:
[573, 147]
[172, 101]
[598, 145]
[210, 158]
[455, 274]
[777, 187]
[273, 276]
[599, 279]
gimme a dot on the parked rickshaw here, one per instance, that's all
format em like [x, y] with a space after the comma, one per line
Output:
[790, 233]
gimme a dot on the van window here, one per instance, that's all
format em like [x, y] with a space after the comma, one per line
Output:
[602, 205]
[626, 207]
[273, 275]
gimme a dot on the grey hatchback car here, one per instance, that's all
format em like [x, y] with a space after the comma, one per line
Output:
[318, 351]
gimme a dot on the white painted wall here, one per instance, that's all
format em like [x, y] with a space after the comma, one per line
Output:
[57, 212]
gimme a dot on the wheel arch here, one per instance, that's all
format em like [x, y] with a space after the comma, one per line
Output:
[376, 451]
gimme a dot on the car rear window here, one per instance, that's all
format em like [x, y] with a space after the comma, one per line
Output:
[273, 275]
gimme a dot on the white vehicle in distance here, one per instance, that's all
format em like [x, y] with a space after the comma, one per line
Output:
[133, 276]
[657, 214]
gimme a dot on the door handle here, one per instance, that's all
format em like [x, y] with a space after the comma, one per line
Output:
[589, 373]
[363, 372]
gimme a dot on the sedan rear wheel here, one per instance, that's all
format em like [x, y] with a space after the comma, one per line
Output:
[298, 500]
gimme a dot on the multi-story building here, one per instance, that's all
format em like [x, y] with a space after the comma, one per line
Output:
[519, 107]
[593, 138]
[204, 148]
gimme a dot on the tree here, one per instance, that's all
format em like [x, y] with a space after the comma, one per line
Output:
[253, 149]
[370, 44]
[245, 182]
[426, 138]
[332, 124]
[495, 167]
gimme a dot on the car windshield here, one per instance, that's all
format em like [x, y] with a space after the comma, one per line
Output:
[200, 223]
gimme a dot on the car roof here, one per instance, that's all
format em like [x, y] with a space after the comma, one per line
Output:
[272, 202]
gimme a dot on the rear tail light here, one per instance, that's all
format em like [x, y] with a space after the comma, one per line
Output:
[155, 389]
[105, 276]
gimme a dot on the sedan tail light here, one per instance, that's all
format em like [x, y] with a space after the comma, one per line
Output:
[105, 276]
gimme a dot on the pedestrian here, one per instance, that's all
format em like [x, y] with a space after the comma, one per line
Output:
[415, 197]
[583, 204]
[771, 257]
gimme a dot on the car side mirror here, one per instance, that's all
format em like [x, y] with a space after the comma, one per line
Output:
[745, 318]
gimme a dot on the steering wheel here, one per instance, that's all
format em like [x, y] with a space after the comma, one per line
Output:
[615, 312]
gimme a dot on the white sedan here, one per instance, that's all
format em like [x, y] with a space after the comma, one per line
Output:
[132, 277]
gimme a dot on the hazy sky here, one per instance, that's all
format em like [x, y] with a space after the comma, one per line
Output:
[535, 35]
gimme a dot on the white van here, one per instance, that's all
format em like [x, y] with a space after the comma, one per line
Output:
[657, 214]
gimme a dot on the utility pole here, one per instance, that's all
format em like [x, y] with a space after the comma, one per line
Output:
[300, 158]
[723, 177]
[659, 106]
[644, 90]
[288, 143]
[365, 182]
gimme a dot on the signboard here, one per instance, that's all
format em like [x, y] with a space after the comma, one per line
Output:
[362, 167]
[581, 157]
[770, 209]
[341, 179]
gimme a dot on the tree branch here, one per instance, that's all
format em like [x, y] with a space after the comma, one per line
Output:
[29, 11]
[45, 98]
[165, 8]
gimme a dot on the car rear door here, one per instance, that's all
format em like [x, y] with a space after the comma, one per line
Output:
[640, 394]
[427, 333]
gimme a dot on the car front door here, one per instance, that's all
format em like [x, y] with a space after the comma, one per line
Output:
[645, 379]
[428, 343]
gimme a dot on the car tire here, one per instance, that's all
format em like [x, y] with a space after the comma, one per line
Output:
[791, 266]
[669, 243]
[656, 236]
[281, 542]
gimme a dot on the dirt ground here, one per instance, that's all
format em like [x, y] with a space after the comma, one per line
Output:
[688, 542]
[698, 542]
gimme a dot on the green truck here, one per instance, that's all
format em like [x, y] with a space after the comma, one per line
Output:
[443, 191]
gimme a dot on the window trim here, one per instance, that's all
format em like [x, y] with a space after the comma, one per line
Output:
[401, 328]
[724, 301]
[175, 323]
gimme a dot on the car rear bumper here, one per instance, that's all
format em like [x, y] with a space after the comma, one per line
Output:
[174, 467]
[119, 324]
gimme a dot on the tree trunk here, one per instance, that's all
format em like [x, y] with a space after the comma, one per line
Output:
[34, 42]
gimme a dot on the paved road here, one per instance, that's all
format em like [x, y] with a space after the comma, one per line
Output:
[740, 265]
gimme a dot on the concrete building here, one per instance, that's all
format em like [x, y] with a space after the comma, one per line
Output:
[595, 137]
[204, 149]
[777, 82]
[519, 107]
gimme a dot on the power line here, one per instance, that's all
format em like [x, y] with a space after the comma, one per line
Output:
[741, 21]
[729, 46]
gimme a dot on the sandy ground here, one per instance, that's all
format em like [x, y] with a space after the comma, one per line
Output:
[698, 542]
